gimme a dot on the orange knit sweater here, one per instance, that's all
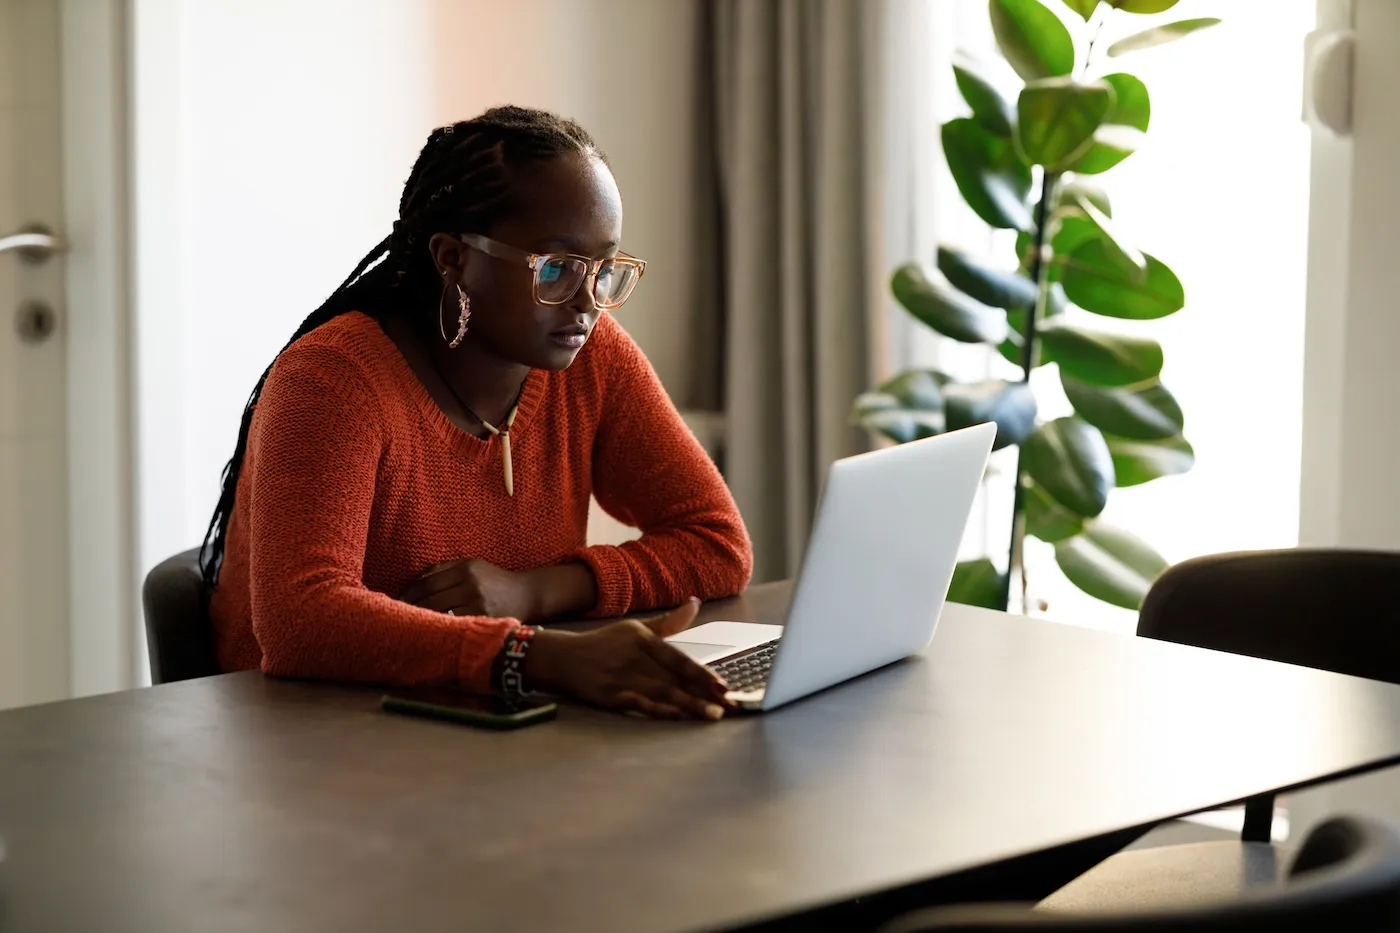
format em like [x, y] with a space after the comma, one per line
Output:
[355, 483]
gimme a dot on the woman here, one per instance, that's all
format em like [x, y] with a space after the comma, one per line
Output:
[411, 483]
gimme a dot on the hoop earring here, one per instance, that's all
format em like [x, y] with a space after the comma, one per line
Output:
[464, 314]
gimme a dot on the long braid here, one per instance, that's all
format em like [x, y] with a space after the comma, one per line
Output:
[459, 183]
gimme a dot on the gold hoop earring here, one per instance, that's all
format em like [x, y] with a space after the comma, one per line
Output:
[464, 314]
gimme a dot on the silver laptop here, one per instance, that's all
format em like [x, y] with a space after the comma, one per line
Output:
[874, 577]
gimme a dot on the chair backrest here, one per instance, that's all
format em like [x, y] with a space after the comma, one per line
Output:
[1346, 877]
[179, 638]
[1335, 610]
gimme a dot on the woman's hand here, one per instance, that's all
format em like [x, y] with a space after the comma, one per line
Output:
[474, 588]
[480, 588]
[629, 667]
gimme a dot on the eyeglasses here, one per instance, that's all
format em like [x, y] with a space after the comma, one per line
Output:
[558, 276]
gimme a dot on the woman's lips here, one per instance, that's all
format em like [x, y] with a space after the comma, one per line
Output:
[571, 337]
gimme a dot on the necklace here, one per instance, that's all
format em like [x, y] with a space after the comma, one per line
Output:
[501, 430]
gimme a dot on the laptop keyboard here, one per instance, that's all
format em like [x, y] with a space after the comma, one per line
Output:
[748, 671]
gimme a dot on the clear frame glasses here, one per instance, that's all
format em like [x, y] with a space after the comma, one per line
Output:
[559, 276]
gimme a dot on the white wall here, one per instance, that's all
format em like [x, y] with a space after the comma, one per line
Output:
[272, 141]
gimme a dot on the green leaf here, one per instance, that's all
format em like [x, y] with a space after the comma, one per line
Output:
[1073, 231]
[1095, 280]
[1132, 106]
[977, 583]
[917, 388]
[1069, 459]
[1111, 145]
[927, 296]
[870, 403]
[878, 411]
[1101, 358]
[989, 286]
[1010, 350]
[1046, 519]
[989, 173]
[989, 107]
[1110, 564]
[1160, 35]
[1071, 192]
[903, 426]
[1010, 404]
[1057, 119]
[1122, 128]
[1084, 8]
[1032, 38]
[1137, 462]
[1149, 413]
[1142, 6]
[1124, 255]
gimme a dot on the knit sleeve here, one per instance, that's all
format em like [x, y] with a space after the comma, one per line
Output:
[650, 472]
[313, 456]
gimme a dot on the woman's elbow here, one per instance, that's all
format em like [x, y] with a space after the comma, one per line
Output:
[282, 653]
[733, 564]
[743, 564]
[286, 631]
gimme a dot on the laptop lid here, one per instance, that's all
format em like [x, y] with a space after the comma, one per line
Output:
[879, 561]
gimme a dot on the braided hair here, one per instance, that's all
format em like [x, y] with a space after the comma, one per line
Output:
[461, 182]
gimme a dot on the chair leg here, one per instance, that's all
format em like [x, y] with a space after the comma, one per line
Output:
[1258, 819]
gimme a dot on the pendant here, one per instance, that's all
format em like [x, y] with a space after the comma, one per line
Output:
[505, 462]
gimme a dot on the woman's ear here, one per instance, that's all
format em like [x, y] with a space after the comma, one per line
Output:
[449, 256]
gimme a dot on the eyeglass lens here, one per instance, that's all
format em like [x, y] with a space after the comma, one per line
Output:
[559, 277]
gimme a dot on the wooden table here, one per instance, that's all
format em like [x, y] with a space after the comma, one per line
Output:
[241, 803]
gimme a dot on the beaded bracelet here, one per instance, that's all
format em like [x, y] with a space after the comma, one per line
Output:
[511, 677]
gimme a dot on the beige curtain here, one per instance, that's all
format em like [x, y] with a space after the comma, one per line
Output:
[791, 101]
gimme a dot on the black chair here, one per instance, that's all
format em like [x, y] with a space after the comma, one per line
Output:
[1329, 609]
[1346, 879]
[179, 638]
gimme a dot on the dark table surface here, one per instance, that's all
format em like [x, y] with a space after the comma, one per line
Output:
[245, 803]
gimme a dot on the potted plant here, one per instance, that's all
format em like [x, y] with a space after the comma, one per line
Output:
[1031, 166]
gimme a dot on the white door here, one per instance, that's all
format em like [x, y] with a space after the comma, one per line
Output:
[34, 655]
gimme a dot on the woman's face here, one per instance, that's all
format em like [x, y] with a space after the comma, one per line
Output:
[565, 205]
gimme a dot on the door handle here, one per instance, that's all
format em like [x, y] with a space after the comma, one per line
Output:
[34, 244]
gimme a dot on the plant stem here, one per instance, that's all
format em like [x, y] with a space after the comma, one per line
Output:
[1040, 273]
[1101, 16]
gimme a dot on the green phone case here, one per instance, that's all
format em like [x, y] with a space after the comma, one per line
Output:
[516, 720]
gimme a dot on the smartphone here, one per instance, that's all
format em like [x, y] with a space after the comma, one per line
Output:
[470, 709]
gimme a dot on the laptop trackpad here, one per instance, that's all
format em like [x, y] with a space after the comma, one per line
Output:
[704, 653]
[715, 640]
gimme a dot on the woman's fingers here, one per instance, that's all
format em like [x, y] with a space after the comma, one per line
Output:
[675, 621]
[698, 707]
[684, 669]
[632, 700]
[457, 600]
[664, 701]
[681, 666]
